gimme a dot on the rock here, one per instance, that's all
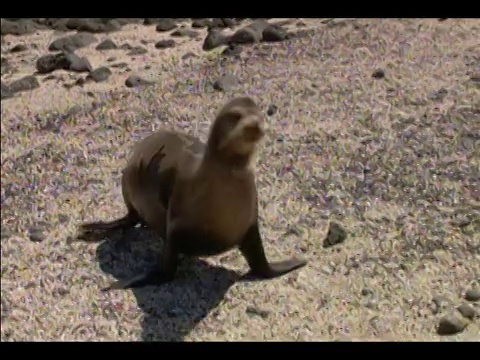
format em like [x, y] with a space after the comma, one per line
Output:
[213, 40]
[366, 292]
[185, 33]
[272, 109]
[336, 235]
[438, 95]
[440, 303]
[473, 294]
[165, 25]
[137, 50]
[300, 24]
[164, 44]
[20, 27]
[135, 81]
[126, 46]
[77, 63]
[5, 91]
[229, 22]
[251, 310]
[475, 78]
[451, 325]
[106, 44]
[100, 74]
[18, 48]
[80, 81]
[26, 83]
[64, 61]
[217, 23]
[110, 59]
[378, 74]
[36, 234]
[467, 311]
[72, 42]
[226, 83]
[93, 25]
[274, 33]
[249, 34]
[121, 65]
[189, 55]
[232, 50]
[201, 23]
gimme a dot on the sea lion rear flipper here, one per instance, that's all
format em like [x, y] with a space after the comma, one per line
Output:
[253, 251]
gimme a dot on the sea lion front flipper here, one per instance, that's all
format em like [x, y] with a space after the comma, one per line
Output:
[253, 251]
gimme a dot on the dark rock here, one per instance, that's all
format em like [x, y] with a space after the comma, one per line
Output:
[93, 25]
[121, 65]
[80, 81]
[106, 44]
[189, 55]
[336, 235]
[77, 63]
[378, 74]
[185, 33]
[26, 83]
[135, 81]
[440, 303]
[366, 292]
[110, 59]
[164, 44]
[72, 42]
[274, 33]
[165, 25]
[300, 24]
[251, 310]
[473, 294]
[127, 21]
[213, 40]
[5, 91]
[475, 78]
[232, 50]
[226, 83]
[36, 234]
[438, 95]
[137, 50]
[18, 48]
[201, 23]
[64, 61]
[451, 325]
[229, 22]
[467, 311]
[272, 109]
[217, 23]
[250, 34]
[20, 27]
[100, 74]
[126, 46]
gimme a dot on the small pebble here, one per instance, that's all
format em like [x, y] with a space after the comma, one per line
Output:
[378, 74]
[36, 235]
[255, 311]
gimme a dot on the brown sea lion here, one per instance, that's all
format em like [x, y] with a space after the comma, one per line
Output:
[201, 198]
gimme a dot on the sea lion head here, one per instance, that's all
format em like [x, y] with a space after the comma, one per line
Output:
[237, 129]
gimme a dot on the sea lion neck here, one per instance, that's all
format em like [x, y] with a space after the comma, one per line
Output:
[225, 159]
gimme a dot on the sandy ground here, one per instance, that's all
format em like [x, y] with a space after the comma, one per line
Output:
[394, 160]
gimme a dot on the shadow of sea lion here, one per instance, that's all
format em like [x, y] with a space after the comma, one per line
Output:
[171, 310]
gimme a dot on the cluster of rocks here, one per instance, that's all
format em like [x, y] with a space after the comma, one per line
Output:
[458, 319]
[63, 56]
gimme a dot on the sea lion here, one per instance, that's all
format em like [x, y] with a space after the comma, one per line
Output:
[201, 198]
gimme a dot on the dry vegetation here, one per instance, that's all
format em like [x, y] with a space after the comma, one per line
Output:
[395, 160]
